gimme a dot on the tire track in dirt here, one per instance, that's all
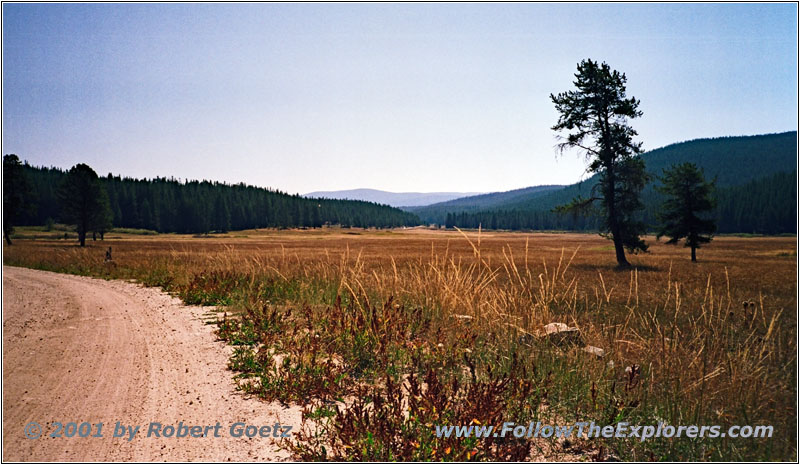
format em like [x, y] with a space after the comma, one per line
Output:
[79, 349]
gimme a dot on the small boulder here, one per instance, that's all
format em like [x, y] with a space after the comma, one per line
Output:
[596, 351]
[561, 334]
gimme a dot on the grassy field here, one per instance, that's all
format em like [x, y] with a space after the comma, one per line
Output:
[384, 334]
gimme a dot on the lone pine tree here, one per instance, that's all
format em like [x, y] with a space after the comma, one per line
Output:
[595, 117]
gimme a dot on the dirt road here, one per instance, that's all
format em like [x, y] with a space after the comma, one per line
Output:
[80, 350]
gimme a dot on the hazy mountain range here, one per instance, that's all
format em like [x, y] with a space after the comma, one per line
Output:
[756, 182]
[394, 199]
[732, 161]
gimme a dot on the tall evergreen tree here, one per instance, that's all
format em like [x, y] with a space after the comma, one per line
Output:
[596, 118]
[81, 199]
[16, 193]
[689, 197]
[103, 219]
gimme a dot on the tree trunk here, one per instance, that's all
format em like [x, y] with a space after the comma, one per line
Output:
[82, 238]
[7, 236]
[613, 223]
[94, 235]
[622, 262]
[694, 255]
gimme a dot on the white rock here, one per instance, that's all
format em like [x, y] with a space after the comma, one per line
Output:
[559, 334]
[596, 351]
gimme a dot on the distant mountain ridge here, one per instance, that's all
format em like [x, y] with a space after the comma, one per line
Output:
[394, 199]
[431, 213]
[734, 161]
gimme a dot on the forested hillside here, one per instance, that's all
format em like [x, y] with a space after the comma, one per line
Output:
[756, 189]
[168, 205]
[731, 160]
[436, 212]
[765, 206]
[756, 193]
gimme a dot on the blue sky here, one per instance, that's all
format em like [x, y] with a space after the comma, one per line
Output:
[402, 97]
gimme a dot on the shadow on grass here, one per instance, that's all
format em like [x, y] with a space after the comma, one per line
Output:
[615, 268]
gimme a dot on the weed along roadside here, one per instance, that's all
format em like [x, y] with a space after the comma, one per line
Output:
[379, 348]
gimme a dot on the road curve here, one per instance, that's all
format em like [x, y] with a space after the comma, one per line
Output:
[78, 349]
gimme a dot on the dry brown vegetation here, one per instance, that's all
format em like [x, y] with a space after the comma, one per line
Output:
[450, 318]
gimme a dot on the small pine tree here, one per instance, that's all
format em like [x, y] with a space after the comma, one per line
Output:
[81, 199]
[684, 213]
[103, 219]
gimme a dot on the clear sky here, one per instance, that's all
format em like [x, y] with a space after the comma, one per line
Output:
[401, 97]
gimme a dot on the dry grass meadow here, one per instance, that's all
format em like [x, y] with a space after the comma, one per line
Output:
[383, 334]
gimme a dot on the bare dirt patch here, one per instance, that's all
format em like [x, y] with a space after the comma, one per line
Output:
[78, 349]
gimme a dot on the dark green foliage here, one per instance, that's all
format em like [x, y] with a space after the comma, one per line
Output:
[523, 220]
[733, 161]
[82, 200]
[103, 220]
[438, 212]
[630, 181]
[685, 211]
[16, 194]
[595, 119]
[222, 215]
[753, 197]
[764, 206]
[168, 205]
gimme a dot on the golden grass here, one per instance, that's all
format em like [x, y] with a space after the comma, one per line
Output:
[705, 357]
